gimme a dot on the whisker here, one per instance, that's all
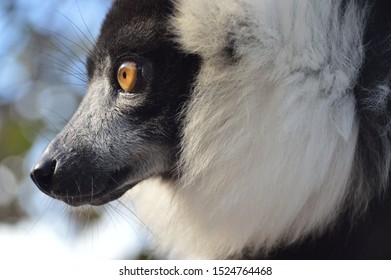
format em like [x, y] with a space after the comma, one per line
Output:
[92, 189]
[52, 123]
[85, 25]
[49, 203]
[32, 133]
[125, 216]
[109, 214]
[72, 54]
[78, 31]
[74, 66]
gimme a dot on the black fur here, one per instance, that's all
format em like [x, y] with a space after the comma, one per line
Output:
[132, 31]
[167, 75]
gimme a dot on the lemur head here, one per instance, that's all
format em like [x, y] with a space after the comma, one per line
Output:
[249, 110]
[127, 127]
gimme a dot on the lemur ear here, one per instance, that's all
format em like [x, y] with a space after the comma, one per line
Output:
[224, 31]
[205, 28]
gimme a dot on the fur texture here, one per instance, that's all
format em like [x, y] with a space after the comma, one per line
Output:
[264, 124]
[271, 132]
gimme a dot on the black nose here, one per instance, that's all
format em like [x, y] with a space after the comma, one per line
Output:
[43, 172]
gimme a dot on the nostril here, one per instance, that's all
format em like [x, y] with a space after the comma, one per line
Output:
[42, 173]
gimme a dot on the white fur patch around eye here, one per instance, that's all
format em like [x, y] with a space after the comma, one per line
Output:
[269, 139]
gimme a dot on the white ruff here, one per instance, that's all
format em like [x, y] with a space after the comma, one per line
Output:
[270, 137]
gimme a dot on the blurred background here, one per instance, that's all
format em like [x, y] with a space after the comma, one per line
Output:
[43, 45]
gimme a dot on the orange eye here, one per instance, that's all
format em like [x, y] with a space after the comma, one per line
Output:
[127, 76]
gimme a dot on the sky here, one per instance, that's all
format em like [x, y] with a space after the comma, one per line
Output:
[48, 231]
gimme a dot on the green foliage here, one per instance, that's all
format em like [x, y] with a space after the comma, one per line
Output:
[13, 140]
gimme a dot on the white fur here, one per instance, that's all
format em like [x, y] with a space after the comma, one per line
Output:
[269, 139]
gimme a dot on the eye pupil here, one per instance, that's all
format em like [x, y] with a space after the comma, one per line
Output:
[127, 76]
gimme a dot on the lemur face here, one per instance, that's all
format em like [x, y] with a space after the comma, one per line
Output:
[127, 128]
